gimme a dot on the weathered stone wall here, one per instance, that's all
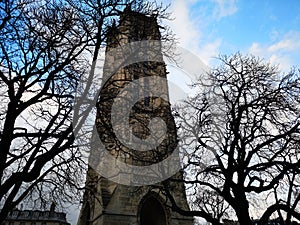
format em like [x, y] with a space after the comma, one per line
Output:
[105, 202]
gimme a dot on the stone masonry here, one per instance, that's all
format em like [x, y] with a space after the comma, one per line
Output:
[110, 203]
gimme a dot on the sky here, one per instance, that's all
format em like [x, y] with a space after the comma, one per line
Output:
[264, 28]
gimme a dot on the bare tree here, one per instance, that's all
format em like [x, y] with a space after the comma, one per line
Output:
[41, 63]
[240, 142]
[44, 51]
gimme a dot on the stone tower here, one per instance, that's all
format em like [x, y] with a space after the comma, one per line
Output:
[106, 201]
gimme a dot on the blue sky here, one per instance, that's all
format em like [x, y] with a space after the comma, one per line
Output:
[265, 28]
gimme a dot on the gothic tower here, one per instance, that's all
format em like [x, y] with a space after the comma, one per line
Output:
[106, 201]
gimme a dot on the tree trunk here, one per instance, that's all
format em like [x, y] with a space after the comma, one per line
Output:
[243, 215]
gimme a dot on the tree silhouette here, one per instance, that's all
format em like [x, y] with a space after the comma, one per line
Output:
[44, 51]
[240, 142]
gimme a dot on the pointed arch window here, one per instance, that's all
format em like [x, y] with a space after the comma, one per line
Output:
[152, 212]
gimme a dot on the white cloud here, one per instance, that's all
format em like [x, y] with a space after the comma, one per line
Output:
[280, 52]
[276, 58]
[183, 26]
[210, 50]
[291, 42]
[224, 8]
[188, 30]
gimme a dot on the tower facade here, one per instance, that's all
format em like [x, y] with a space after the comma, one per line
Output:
[130, 131]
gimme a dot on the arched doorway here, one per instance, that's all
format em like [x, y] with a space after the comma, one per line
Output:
[152, 212]
[86, 214]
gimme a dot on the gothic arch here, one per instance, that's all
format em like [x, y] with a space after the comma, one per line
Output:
[152, 211]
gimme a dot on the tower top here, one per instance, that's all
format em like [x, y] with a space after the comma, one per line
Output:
[133, 26]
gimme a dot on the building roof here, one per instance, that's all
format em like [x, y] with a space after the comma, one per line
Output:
[37, 215]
